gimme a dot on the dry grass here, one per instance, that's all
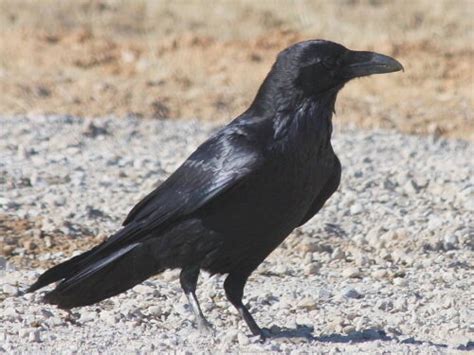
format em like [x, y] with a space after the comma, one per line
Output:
[192, 59]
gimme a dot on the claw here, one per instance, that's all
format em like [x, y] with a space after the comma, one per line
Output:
[204, 326]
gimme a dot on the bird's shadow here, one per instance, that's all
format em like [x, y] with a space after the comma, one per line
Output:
[366, 335]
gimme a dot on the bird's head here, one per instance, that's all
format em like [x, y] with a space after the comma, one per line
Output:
[315, 68]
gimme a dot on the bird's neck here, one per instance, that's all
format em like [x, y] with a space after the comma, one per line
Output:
[307, 124]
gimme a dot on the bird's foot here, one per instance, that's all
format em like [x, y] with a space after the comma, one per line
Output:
[263, 334]
[204, 326]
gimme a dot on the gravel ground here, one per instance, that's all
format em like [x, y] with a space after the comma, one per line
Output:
[387, 265]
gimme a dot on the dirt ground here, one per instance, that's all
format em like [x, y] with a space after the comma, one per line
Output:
[167, 60]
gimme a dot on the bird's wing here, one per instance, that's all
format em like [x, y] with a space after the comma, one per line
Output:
[217, 165]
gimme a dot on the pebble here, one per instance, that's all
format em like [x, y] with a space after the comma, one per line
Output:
[10, 290]
[337, 254]
[308, 303]
[3, 263]
[144, 290]
[351, 272]
[399, 281]
[34, 336]
[242, 339]
[380, 274]
[312, 269]
[450, 242]
[88, 316]
[356, 208]
[350, 292]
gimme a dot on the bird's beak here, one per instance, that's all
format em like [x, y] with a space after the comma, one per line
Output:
[361, 63]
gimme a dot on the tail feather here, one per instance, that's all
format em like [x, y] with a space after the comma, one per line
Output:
[105, 278]
[106, 270]
[61, 271]
[76, 264]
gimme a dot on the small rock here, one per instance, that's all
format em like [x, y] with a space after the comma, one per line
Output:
[29, 245]
[34, 336]
[23, 333]
[373, 237]
[93, 130]
[450, 242]
[309, 247]
[337, 254]
[47, 314]
[10, 312]
[87, 316]
[3, 263]
[312, 269]
[324, 294]
[109, 317]
[242, 339]
[356, 208]
[359, 240]
[10, 290]
[399, 281]
[307, 303]
[144, 290]
[350, 292]
[155, 310]
[400, 304]
[384, 305]
[230, 336]
[351, 272]
[7, 250]
[380, 274]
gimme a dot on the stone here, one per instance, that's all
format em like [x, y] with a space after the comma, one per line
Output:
[312, 269]
[10, 289]
[242, 339]
[356, 208]
[450, 242]
[399, 281]
[144, 289]
[351, 272]
[350, 292]
[308, 303]
[337, 254]
[34, 336]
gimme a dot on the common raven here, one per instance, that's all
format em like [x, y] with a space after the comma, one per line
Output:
[238, 196]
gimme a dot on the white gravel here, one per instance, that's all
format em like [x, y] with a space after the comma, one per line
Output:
[387, 265]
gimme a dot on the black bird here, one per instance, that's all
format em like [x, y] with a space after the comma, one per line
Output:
[238, 196]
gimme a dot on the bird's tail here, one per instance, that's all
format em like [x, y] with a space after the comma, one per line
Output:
[98, 274]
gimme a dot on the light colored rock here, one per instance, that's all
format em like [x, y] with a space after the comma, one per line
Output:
[242, 339]
[337, 254]
[356, 208]
[308, 303]
[10, 290]
[399, 281]
[312, 269]
[144, 290]
[351, 272]
[34, 336]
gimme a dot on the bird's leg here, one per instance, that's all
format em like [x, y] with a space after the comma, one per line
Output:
[234, 290]
[188, 279]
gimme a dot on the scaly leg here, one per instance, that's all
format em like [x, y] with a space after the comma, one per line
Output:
[234, 290]
[188, 279]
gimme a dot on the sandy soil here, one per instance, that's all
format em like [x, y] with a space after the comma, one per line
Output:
[188, 59]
